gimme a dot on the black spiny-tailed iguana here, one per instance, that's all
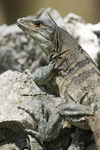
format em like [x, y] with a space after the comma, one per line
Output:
[76, 75]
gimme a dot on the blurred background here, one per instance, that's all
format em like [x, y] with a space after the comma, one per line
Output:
[10, 10]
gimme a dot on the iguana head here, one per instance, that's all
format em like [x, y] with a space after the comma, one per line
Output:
[51, 38]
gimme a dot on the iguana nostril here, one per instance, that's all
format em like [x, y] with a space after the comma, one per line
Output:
[21, 20]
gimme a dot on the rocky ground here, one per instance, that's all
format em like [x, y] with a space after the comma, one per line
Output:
[18, 52]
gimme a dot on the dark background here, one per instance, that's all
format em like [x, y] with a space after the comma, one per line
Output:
[10, 10]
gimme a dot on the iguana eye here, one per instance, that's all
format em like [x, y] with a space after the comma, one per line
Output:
[38, 24]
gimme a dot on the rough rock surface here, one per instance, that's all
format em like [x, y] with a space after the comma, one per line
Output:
[85, 33]
[18, 89]
[18, 52]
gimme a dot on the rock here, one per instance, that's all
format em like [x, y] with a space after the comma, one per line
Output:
[42, 14]
[85, 34]
[17, 50]
[18, 89]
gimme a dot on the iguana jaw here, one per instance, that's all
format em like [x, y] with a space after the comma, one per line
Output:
[41, 32]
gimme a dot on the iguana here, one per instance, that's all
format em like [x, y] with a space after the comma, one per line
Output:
[76, 75]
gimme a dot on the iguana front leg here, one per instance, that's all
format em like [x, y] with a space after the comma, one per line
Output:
[44, 74]
[49, 129]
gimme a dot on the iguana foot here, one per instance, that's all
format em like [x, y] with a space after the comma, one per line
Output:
[40, 120]
[48, 127]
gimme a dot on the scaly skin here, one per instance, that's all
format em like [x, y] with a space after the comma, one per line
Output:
[75, 73]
